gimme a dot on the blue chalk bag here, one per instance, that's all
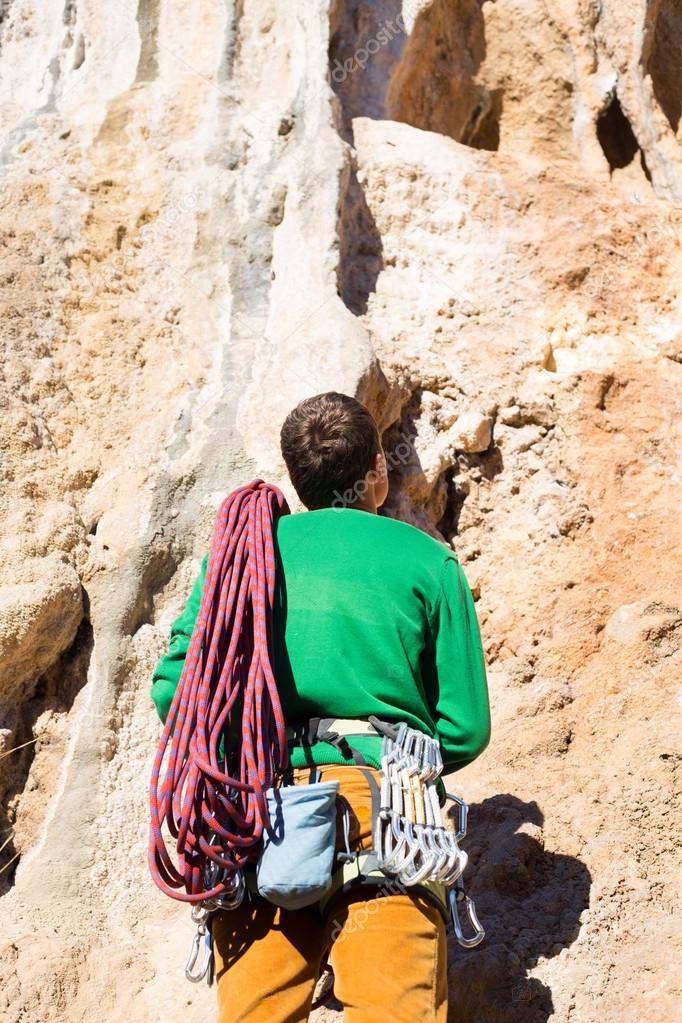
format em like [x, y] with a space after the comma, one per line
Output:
[295, 866]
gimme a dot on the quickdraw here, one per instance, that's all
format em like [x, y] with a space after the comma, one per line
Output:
[410, 839]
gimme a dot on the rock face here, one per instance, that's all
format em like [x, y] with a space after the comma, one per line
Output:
[469, 215]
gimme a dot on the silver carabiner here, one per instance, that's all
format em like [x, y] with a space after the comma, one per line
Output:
[390, 856]
[463, 815]
[455, 896]
[234, 895]
[438, 758]
[429, 771]
[199, 912]
[202, 933]
[430, 858]
[417, 753]
[457, 867]
[434, 837]
[402, 869]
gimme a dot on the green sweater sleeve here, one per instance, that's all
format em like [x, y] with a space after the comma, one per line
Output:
[167, 673]
[455, 672]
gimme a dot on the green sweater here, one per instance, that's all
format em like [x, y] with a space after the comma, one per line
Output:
[371, 616]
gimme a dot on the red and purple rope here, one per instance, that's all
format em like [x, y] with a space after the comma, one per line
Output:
[227, 688]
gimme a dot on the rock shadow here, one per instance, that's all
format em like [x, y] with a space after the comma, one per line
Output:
[39, 731]
[529, 901]
[360, 247]
[383, 65]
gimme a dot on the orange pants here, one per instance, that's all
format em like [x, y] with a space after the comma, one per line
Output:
[389, 954]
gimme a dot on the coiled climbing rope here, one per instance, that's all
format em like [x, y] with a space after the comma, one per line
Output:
[215, 807]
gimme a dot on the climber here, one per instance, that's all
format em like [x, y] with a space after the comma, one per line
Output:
[372, 616]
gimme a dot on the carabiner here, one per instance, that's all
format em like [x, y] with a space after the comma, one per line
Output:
[430, 858]
[414, 849]
[455, 896]
[389, 856]
[463, 815]
[202, 932]
[434, 838]
[458, 867]
[417, 753]
[234, 895]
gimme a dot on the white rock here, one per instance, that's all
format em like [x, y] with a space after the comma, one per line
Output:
[472, 432]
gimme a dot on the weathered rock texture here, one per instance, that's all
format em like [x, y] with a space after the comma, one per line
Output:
[469, 214]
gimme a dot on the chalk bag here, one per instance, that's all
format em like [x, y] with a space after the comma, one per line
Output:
[295, 866]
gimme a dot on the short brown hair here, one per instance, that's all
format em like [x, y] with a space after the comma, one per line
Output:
[328, 442]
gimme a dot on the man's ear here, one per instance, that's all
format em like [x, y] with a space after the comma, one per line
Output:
[380, 475]
[379, 465]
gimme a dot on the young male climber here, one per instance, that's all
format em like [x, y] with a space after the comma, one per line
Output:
[372, 617]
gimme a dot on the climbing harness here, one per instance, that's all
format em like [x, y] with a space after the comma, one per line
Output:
[412, 847]
[362, 868]
[367, 868]
[224, 740]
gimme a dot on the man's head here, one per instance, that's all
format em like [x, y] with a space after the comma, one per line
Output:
[332, 450]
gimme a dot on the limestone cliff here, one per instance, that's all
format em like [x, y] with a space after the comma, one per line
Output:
[468, 214]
